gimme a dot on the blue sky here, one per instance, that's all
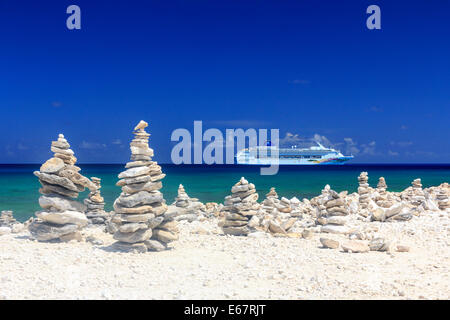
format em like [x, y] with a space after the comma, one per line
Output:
[309, 68]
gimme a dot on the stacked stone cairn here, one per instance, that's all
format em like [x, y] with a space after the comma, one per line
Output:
[213, 209]
[140, 210]
[383, 199]
[239, 208]
[61, 217]
[296, 207]
[364, 193]
[276, 216]
[271, 203]
[187, 208]
[95, 205]
[417, 194]
[272, 194]
[8, 224]
[443, 200]
[7, 219]
[182, 199]
[333, 212]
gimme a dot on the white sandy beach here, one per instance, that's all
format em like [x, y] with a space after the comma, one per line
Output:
[214, 266]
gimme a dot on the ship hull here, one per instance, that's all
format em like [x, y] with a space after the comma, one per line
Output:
[300, 162]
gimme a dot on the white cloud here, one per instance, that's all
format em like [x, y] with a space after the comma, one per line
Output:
[322, 140]
[290, 138]
[348, 146]
[368, 148]
[92, 145]
[117, 141]
[393, 153]
[351, 146]
[21, 146]
[402, 144]
[419, 153]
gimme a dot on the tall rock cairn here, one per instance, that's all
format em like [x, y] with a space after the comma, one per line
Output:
[61, 217]
[95, 204]
[239, 207]
[140, 209]
[363, 190]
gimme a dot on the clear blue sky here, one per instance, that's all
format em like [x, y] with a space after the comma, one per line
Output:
[305, 67]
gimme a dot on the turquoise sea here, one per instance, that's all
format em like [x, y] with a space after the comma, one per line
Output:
[19, 187]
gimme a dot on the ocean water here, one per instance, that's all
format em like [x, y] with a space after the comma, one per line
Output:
[19, 187]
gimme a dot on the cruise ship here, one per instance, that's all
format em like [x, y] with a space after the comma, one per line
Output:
[267, 155]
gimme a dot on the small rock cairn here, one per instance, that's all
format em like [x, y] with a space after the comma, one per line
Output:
[383, 200]
[239, 207]
[271, 203]
[61, 217]
[140, 209]
[332, 212]
[7, 219]
[276, 216]
[417, 196]
[182, 199]
[364, 192]
[95, 204]
[187, 208]
[443, 200]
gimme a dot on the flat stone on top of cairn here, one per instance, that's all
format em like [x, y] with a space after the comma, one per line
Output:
[140, 210]
[61, 217]
[239, 207]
